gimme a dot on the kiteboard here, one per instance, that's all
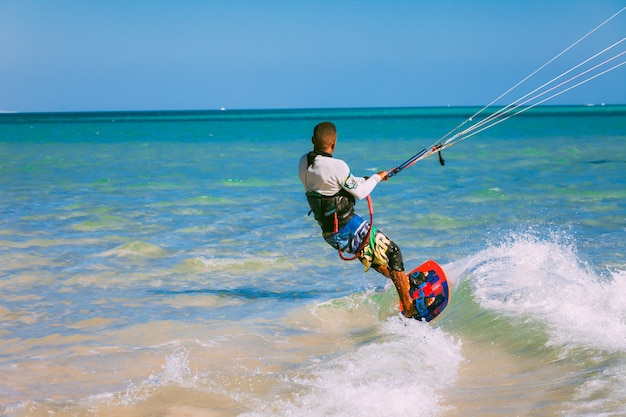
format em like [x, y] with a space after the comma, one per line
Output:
[429, 290]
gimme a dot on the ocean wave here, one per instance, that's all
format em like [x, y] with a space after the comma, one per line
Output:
[412, 364]
[136, 248]
[545, 280]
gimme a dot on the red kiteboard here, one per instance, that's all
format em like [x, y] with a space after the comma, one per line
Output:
[429, 290]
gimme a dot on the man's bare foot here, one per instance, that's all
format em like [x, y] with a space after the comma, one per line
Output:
[410, 312]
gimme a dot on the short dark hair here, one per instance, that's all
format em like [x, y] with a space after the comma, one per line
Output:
[323, 129]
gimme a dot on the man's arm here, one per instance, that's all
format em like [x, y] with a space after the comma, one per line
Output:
[360, 187]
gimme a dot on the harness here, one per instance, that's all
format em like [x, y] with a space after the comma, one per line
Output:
[331, 212]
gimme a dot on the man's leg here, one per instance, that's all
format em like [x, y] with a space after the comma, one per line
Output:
[401, 282]
[386, 258]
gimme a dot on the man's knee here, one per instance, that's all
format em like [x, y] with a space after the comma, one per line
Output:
[395, 257]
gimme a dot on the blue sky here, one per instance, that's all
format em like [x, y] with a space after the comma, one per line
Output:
[87, 55]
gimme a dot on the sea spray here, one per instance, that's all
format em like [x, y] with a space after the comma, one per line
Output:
[405, 372]
[544, 279]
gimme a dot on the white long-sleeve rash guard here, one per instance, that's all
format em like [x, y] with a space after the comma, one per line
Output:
[328, 176]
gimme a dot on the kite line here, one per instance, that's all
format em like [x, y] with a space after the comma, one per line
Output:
[579, 74]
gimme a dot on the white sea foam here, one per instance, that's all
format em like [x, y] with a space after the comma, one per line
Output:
[546, 280]
[403, 374]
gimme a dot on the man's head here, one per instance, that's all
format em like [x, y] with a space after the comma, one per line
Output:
[324, 137]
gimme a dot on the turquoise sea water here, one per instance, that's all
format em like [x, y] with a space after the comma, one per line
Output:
[163, 263]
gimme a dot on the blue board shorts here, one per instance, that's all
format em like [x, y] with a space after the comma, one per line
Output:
[349, 239]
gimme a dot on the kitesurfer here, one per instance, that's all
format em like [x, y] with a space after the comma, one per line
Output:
[331, 191]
